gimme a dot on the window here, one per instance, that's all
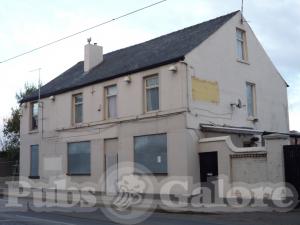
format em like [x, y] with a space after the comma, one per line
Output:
[111, 101]
[241, 44]
[151, 93]
[34, 161]
[79, 158]
[77, 108]
[34, 114]
[151, 152]
[251, 99]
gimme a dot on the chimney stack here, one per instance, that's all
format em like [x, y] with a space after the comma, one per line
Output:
[93, 55]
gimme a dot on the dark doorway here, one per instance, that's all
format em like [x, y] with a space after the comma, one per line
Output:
[208, 166]
[292, 165]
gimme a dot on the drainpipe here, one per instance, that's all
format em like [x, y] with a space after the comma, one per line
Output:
[42, 119]
[187, 85]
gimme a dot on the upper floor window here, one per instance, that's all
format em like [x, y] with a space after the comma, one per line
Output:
[251, 99]
[151, 93]
[34, 115]
[241, 44]
[111, 101]
[77, 108]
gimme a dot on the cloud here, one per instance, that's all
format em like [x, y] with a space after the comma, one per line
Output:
[27, 25]
[294, 104]
[277, 28]
[294, 120]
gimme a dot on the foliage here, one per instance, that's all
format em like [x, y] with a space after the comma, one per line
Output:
[28, 89]
[11, 130]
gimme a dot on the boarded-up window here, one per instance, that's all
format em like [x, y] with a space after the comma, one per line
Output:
[245, 168]
[34, 160]
[205, 90]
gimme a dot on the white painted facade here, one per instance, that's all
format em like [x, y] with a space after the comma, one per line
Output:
[179, 116]
[216, 60]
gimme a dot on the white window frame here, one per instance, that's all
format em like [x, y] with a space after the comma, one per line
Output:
[243, 42]
[253, 91]
[74, 105]
[146, 88]
[32, 115]
[107, 101]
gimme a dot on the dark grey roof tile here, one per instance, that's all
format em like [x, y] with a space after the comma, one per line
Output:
[159, 51]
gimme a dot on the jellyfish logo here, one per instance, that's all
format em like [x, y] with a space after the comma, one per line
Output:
[133, 201]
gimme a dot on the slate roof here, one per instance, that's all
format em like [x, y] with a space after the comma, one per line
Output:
[163, 50]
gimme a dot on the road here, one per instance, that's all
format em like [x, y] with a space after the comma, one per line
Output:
[97, 217]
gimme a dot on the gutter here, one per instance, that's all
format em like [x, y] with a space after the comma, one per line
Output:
[226, 129]
[241, 130]
[64, 90]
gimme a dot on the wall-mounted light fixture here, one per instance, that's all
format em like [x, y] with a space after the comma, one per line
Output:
[127, 79]
[173, 68]
[52, 98]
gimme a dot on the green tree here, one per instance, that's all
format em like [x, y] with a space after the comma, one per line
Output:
[28, 89]
[11, 130]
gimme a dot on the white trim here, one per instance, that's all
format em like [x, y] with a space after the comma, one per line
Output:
[231, 146]
[276, 136]
[233, 130]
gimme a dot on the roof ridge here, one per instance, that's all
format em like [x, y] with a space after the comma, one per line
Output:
[164, 35]
[131, 59]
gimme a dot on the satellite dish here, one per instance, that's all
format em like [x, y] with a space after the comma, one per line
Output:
[239, 104]
[89, 40]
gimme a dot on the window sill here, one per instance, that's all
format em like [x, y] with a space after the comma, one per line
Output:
[111, 119]
[33, 131]
[151, 112]
[150, 174]
[77, 125]
[34, 177]
[78, 174]
[243, 61]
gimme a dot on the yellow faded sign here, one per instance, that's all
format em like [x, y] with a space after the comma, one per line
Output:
[205, 90]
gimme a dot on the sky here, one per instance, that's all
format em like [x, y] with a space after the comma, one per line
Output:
[28, 24]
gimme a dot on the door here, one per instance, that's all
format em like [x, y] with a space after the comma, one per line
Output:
[208, 166]
[292, 166]
[111, 165]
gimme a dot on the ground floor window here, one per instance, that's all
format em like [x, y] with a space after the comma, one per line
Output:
[34, 161]
[151, 151]
[79, 158]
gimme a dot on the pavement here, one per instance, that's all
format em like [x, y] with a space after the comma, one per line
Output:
[98, 217]
[95, 216]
